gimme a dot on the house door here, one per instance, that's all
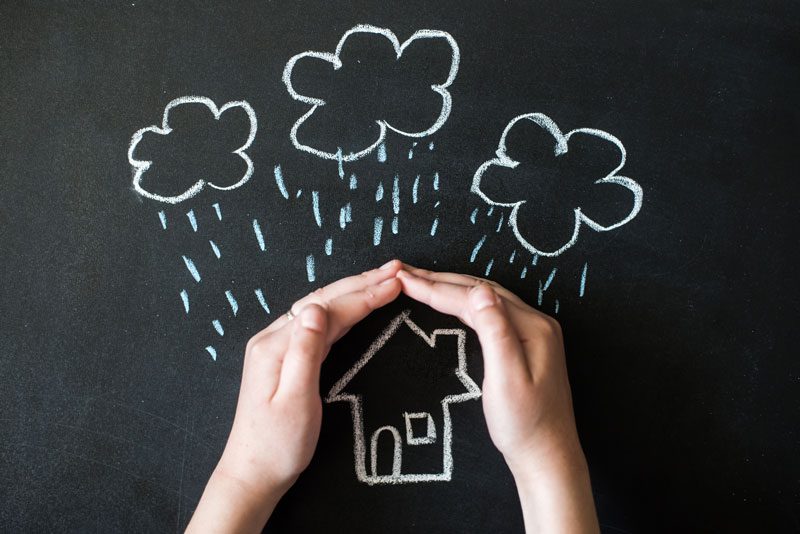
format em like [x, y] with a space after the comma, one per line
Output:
[397, 451]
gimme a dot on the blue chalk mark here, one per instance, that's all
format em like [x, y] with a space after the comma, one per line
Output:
[299, 192]
[476, 249]
[382, 153]
[410, 153]
[377, 230]
[489, 267]
[349, 213]
[438, 203]
[192, 220]
[535, 260]
[212, 351]
[339, 159]
[396, 195]
[436, 181]
[315, 204]
[218, 327]
[214, 248]
[192, 269]
[540, 294]
[500, 223]
[310, 268]
[473, 215]
[328, 246]
[395, 225]
[342, 217]
[524, 273]
[583, 280]
[216, 208]
[353, 182]
[379, 192]
[550, 279]
[490, 211]
[434, 226]
[259, 235]
[185, 299]
[415, 190]
[262, 300]
[232, 302]
[163, 218]
[557, 306]
[513, 255]
[279, 181]
[430, 146]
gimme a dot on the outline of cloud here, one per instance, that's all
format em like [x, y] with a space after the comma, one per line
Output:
[334, 59]
[142, 166]
[561, 142]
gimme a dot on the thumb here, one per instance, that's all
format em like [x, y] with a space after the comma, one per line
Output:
[307, 349]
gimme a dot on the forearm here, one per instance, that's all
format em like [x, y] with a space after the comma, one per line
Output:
[228, 505]
[557, 499]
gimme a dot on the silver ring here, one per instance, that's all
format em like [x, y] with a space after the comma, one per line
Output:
[290, 315]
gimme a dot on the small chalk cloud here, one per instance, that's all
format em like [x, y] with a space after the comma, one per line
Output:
[521, 183]
[154, 182]
[396, 108]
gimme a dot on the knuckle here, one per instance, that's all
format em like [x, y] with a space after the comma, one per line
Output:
[259, 347]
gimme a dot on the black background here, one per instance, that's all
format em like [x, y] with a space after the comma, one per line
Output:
[684, 374]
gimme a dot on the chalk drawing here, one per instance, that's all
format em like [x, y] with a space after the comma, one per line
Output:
[513, 255]
[349, 212]
[561, 147]
[192, 268]
[524, 272]
[218, 327]
[382, 153]
[214, 248]
[328, 246]
[411, 438]
[557, 306]
[379, 192]
[185, 300]
[473, 215]
[163, 218]
[217, 210]
[310, 268]
[353, 182]
[335, 60]
[415, 190]
[550, 278]
[395, 225]
[340, 164]
[582, 290]
[232, 301]
[430, 146]
[377, 230]
[436, 181]
[410, 153]
[490, 211]
[259, 235]
[279, 181]
[140, 167]
[477, 248]
[437, 204]
[315, 204]
[342, 217]
[192, 220]
[500, 223]
[261, 300]
[299, 192]
[337, 394]
[212, 351]
[396, 195]
[489, 267]
[434, 226]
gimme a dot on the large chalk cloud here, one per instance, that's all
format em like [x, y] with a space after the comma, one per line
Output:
[147, 178]
[403, 105]
[503, 168]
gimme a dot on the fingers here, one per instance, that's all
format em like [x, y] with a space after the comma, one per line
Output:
[503, 356]
[444, 297]
[307, 348]
[465, 280]
[348, 309]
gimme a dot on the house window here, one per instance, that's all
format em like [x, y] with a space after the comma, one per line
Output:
[420, 429]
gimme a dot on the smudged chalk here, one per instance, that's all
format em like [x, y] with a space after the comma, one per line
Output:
[217, 210]
[232, 301]
[163, 218]
[582, 290]
[259, 235]
[315, 205]
[310, 268]
[192, 219]
[212, 351]
[218, 327]
[185, 299]
[262, 300]
[279, 182]
[377, 231]
[215, 249]
[192, 268]
[476, 249]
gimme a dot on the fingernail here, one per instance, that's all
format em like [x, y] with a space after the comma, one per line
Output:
[312, 320]
[387, 264]
[482, 297]
[404, 274]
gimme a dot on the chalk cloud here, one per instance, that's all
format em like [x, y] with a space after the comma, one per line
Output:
[560, 147]
[382, 122]
[140, 167]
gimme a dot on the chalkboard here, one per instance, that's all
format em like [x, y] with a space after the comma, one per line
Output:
[175, 175]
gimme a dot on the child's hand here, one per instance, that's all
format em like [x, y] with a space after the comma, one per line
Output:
[278, 416]
[526, 395]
